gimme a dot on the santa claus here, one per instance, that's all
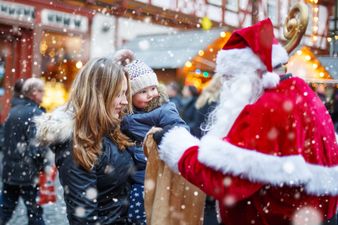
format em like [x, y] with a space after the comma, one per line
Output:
[270, 156]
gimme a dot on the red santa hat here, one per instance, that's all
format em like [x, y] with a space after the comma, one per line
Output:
[250, 49]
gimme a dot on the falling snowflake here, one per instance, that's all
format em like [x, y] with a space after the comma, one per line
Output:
[80, 212]
[288, 167]
[91, 193]
[307, 216]
[149, 184]
[272, 134]
[287, 106]
[229, 200]
[227, 181]
[144, 45]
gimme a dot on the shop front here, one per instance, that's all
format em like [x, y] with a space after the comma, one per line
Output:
[16, 48]
[41, 40]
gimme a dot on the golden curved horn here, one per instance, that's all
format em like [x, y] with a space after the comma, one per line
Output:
[295, 25]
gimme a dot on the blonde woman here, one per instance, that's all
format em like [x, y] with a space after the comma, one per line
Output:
[90, 151]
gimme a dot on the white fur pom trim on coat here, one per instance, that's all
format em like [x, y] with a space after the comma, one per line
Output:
[54, 127]
[174, 143]
[270, 80]
[268, 169]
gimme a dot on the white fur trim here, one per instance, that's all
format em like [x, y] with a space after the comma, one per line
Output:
[54, 127]
[258, 167]
[244, 60]
[270, 80]
[174, 143]
[324, 180]
[253, 165]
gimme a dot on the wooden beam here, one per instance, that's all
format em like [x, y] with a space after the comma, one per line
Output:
[139, 11]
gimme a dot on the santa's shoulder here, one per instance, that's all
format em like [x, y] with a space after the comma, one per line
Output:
[291, 90]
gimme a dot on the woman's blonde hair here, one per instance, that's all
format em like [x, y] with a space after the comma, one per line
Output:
[92, 100]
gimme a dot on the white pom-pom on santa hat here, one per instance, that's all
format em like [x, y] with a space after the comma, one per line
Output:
[124, 56]
[270, 80]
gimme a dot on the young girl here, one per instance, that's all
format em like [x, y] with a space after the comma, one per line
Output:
[150, 108]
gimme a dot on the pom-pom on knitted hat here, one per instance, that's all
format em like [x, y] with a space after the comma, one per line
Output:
[123, 56]
[140, 74]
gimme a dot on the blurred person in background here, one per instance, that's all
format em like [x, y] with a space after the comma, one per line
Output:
[23, 159]
[334, 114]
[188, 110]
[173, 91]
[206, 103]
[18, 97]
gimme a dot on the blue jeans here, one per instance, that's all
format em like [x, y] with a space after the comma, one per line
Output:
[10, 198]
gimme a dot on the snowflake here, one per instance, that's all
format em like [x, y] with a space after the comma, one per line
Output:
[91, 193]
[80, 212]
[307, 216]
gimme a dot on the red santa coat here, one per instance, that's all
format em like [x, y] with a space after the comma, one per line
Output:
[279, 157]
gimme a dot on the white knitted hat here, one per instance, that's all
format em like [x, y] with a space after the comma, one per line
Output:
[141, 76]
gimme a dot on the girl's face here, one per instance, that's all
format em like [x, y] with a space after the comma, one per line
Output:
[144, 96]
[120, 100]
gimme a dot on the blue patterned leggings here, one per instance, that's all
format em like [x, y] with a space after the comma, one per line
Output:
[136, 212]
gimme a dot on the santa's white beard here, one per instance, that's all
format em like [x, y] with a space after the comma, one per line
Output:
[235, 94]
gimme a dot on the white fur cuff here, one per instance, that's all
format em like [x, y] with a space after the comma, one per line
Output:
[268, 169]
[253, 165]
[174, 143]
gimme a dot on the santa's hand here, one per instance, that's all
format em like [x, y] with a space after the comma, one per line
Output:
[158, 135]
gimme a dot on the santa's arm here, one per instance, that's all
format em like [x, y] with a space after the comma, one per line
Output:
[179, 149]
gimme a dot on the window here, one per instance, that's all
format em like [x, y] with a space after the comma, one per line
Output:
[62, 55]
[272, 11]
[215, 2]
[232, 5]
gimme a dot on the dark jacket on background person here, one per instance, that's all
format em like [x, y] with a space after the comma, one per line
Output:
[201, 117]
[17, 101]
[188, 111]
[23, 159]
[177, 101]
[2, 137]
[99, 196]
[137, 125]
[14, 102]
